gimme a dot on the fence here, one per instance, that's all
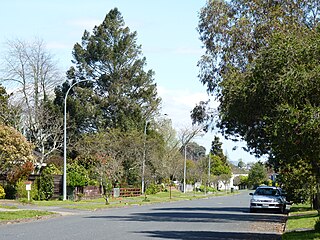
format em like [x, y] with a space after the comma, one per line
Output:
[85, 193]
[126, 192]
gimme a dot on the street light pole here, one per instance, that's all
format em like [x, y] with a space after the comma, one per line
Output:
[65, 141]
[185, 168]
[209, 169]
[144, 157]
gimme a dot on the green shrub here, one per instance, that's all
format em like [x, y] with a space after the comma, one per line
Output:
[208, 189]
[34, 193]
[153, 189]
[45, 186]
[21, 189]
[2, 192]
[317, 225]
[77, 175]
[10, 190]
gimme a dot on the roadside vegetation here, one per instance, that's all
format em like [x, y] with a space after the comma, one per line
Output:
[301, 223]
[261, 62]
[116, 135]
[22, 214]
[100, 203]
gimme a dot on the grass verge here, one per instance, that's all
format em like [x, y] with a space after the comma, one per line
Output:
[300, 222]
[96, 204]
[8, 207]
[23, 214]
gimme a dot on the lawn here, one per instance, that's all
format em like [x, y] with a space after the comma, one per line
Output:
[96, 204]
[22, 214]
[300, 222]
[100, 203]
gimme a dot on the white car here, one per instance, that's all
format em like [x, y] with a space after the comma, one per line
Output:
[266, 197]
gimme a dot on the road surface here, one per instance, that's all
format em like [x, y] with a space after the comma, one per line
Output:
[224, 217]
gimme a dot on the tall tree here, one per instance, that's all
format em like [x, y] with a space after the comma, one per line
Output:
[169, 163]
[32, 71]
[195, 152]
[122, 94]
[262, 63]
[216, 148]
[257, 174]
[234, 31]
[9, 114]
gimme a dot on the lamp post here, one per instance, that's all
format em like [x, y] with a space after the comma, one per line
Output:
[65, 141]
[209, 169]
[144, 157]
[185, 168]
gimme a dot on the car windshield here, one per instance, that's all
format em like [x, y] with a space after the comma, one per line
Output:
[267, 191]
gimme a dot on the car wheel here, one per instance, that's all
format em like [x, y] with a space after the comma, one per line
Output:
[283, 210]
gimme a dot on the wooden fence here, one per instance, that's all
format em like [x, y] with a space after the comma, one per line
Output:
[128, 192]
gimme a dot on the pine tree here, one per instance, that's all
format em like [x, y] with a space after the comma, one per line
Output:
[119, 93]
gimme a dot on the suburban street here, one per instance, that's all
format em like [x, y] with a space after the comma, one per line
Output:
[224, 217]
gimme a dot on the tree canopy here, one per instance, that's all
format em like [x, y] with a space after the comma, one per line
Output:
[16, 155]
[118, 92]
[257, 174]
[262, 64]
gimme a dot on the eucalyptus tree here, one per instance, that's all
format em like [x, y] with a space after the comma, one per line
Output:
[233, 33]
[261, 63]
[118, 91]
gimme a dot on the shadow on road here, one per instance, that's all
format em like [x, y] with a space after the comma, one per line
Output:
[209, 209]
[194, 216]
[203, 235]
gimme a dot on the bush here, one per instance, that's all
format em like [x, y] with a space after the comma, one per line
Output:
[21, 189]
[208, 189]
[317, 225]
[153, 189]
[2, 192]
[45, 186]
[77, 175]
[10, 190]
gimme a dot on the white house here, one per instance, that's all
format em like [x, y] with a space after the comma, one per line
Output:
[230, 185]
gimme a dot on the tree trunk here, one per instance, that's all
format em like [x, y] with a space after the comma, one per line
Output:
[316, 201]
[316, 171]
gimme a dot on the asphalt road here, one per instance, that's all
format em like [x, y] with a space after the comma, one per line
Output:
[224, 217]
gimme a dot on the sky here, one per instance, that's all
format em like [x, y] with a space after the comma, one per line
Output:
[166, 31]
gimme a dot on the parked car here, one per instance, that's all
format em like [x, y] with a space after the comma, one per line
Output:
[266, 197]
